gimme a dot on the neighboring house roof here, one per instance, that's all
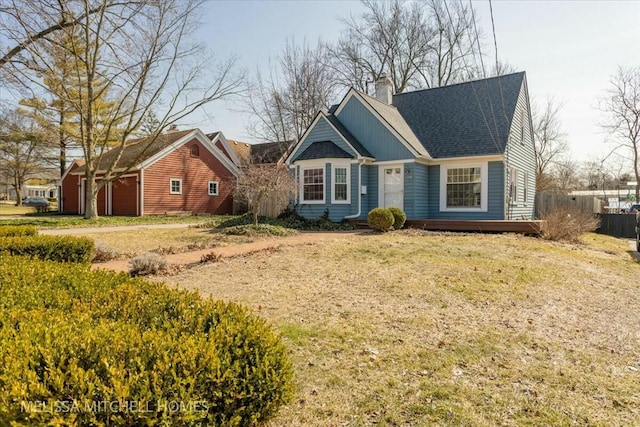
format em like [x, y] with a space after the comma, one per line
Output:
[324, 150]
[136, 151]
[269, 152]
[348, 136]
[465, 119]
[142, 152]
[241, 149]
[266, 152]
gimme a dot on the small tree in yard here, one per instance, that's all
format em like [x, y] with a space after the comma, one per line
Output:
[258, 183]
[622, 107]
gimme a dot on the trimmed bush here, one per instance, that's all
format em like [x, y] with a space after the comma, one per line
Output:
[17, 230]
[103, 252]
[146, 264]
[399, 217]
[50, 248]
[380, 219]
[81, 347]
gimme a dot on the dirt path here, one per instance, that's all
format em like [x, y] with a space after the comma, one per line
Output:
[187, 258]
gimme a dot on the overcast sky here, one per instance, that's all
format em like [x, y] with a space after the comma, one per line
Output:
[569, 50]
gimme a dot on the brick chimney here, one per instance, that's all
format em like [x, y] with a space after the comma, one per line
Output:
[384, 89]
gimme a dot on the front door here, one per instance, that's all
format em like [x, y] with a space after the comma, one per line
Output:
[393, 187]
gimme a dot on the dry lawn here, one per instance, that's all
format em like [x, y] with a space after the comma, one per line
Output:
[165, 241]
[413, 328]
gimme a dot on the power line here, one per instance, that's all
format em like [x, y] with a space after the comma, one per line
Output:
[475, 94]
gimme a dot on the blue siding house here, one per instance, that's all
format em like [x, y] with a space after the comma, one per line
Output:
[458, 152]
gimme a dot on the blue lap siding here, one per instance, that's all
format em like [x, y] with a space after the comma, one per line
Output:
[374, 135]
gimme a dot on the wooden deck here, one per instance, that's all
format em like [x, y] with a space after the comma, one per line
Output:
[521, 227]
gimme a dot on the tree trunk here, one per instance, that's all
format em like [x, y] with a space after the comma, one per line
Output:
[91, 198]
[255, 216]
[18, 186]
[636, 171]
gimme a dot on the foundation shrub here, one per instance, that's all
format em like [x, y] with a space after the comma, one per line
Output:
[380, 219]
[399, 217]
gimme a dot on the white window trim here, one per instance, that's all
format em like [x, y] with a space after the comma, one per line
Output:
[484, 186]
[324, 183]
[217, 192]
[335, 166]
[171, 181]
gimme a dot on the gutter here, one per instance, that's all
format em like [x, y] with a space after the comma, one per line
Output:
[357, 215]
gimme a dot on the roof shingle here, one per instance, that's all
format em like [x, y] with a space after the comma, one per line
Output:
[324, 150]
[465, 119]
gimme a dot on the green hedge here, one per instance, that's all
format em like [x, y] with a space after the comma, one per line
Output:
[380, 219]
[81, 347]
[399, 217]
[52, 248]
[17, 230]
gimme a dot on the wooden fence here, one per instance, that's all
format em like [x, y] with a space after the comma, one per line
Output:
[546, 202]
[269, 207]
[617, 225]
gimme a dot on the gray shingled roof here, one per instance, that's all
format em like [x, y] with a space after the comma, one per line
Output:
[348, 136]
[466, 119]
[324, 150]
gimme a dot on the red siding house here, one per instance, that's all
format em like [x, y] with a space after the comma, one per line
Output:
[181, 171]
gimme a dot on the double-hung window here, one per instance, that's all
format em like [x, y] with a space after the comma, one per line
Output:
[312, 185]
[464, 187]
[340, 184]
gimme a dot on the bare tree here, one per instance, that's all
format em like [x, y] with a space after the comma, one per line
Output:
[22, 150]
[258, 183]
[622, 106]
[284, 106]
[418, 45]
[133, 56]
[550, 143]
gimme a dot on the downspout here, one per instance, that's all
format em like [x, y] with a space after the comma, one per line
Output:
[357, 215]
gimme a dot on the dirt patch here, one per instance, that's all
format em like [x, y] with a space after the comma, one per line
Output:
[190, 258]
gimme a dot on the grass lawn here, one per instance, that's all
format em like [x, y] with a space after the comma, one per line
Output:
[414, 328]
[13, 210]
[64, 221]
[165, 241]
